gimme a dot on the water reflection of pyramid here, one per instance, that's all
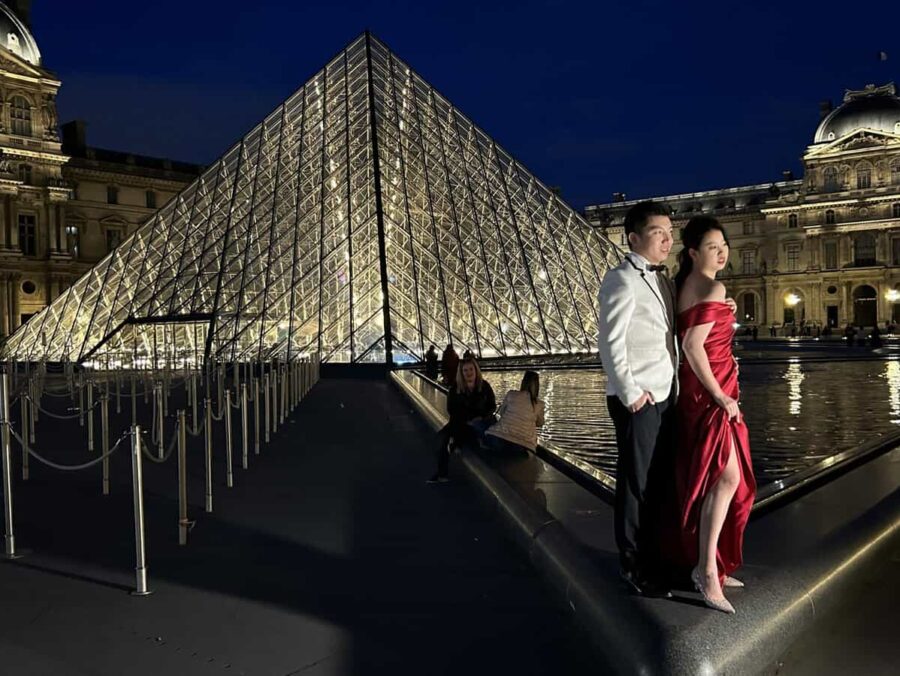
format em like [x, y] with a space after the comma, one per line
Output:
[365, 218]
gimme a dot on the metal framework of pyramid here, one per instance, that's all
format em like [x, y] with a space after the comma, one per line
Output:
[364, 219]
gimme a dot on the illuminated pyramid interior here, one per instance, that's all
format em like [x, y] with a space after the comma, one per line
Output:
[364, 219]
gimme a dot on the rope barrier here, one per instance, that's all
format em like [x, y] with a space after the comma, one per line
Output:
[58, 416]
[167, 454]
[69, 468]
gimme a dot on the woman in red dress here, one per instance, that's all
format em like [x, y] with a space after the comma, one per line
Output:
[714, 475]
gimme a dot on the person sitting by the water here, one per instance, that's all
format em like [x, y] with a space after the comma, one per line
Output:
[431, 363]
[521, 413]
[449, 365]
[471, 404]
[875, 337]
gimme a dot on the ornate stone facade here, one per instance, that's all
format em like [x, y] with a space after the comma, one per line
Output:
[63, 205]
[824, 250]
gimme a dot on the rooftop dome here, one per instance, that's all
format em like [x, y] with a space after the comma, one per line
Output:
[876, 108]
[16, 37]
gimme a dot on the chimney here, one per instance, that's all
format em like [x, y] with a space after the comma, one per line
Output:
[787, 175]
[74, 138]
[22, 9]
[618, 197]
[825, 107]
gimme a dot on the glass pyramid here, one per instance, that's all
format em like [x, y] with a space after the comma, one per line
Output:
[364, 219]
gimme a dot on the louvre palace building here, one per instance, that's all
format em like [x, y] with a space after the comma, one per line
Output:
[63, 204]
[823, 250]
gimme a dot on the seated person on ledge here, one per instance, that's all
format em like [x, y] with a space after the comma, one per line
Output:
[471, 404]
[521, 413]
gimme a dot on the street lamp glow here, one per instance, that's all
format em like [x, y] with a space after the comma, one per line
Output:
[893, 295]
[792, 299]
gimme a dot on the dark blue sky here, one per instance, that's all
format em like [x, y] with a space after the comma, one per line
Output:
[646, 98]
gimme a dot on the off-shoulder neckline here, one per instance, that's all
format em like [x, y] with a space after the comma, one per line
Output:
[704, 302]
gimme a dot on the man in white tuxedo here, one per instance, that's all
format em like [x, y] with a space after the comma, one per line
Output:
[640, 358]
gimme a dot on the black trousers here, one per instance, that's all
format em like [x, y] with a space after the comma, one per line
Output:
[644, 466]
[462, 435]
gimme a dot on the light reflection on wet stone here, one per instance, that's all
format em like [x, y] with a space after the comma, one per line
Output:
[799, 413]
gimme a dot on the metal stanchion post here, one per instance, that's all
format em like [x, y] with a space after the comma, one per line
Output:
[194, 400]
[137, 477]
[229, 477]
[80, 400]
[182, 479]
[220, 384]
[159, 422]
[282, 410]
[245, 432]
[24, 406]
[90, 414]
[104, 440]
[133, 400]
[208, 415]
[256, 416]
[118, 393]
[5, 451]
[266, 404]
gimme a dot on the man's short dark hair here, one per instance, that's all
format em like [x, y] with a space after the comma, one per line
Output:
[640, 214]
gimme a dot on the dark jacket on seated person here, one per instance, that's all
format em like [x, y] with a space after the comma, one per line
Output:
[464, 407]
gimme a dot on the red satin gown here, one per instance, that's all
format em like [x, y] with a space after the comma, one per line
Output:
[704, 442]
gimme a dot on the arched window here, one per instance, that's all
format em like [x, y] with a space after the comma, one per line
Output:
[895, 210]
[20, 116]
[829, 217]
[793, 221]
[831, 179]
[748, 307]
[864, 249]
[863, 176]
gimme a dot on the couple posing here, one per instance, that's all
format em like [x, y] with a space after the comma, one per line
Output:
[684, 480]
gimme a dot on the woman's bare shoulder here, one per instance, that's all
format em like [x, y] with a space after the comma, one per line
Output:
[713, 291]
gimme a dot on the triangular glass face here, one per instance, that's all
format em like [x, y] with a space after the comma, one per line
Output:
[365, 219]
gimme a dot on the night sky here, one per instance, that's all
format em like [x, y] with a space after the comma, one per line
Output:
[645, 98]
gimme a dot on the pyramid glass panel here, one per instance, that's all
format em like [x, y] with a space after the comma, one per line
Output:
[364, 219]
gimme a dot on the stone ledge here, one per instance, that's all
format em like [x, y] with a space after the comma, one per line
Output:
[647, 636]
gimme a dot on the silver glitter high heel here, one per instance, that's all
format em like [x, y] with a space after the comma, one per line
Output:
[733, 582]
[722, 605]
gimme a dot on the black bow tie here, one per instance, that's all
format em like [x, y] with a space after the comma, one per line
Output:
[656, 268]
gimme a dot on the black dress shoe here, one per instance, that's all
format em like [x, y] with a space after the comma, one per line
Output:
[639, 584]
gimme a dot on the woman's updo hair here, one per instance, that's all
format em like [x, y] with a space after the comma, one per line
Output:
[691, 236]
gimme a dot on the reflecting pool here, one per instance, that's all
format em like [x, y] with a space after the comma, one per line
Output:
[799, 413]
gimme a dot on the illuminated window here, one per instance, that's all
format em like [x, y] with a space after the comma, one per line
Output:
[864, 176]
[749, 307]
[20, 116]
[73, 237]
[793, 221]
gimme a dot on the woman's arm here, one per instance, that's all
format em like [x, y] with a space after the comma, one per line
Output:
[695, 353]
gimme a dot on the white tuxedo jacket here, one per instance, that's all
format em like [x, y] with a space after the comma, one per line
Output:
[637, 332]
